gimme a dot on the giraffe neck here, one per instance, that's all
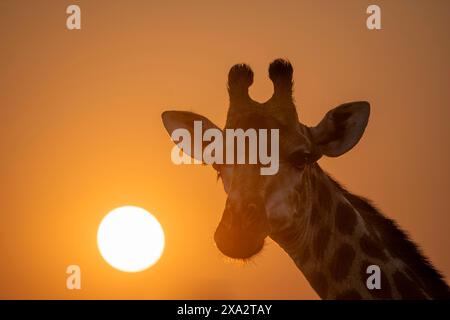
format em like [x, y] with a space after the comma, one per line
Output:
[336, 236]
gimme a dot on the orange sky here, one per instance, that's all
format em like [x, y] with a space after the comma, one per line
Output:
[81, 133]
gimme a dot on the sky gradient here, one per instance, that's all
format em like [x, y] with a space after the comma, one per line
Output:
[81, 132]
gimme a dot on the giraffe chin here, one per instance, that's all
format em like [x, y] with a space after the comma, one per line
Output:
[237, 247]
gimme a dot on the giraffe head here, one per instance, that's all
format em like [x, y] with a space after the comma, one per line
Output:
[262, 205]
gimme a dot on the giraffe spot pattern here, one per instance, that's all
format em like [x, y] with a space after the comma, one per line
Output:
[349, 295]
[345, 218]
[385, 292]
[407, 289]
[321, 240]
[341, 262]
[370, 248]
[319, 283]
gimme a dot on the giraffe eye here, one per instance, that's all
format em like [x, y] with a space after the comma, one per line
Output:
[300, 157]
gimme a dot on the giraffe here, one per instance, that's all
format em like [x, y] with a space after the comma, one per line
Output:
[332, 235]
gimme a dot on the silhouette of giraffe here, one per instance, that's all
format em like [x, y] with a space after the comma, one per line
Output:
[331, 234]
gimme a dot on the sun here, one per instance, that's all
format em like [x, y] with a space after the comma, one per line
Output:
[130, 239]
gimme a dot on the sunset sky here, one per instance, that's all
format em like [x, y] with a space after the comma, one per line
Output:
[81, 131]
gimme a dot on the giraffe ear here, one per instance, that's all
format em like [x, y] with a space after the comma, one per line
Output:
[186, 120]
[341, 128]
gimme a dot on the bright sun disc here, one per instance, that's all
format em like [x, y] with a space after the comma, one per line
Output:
[130, 239]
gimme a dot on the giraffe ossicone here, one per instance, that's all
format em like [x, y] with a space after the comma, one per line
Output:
[332, 235]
